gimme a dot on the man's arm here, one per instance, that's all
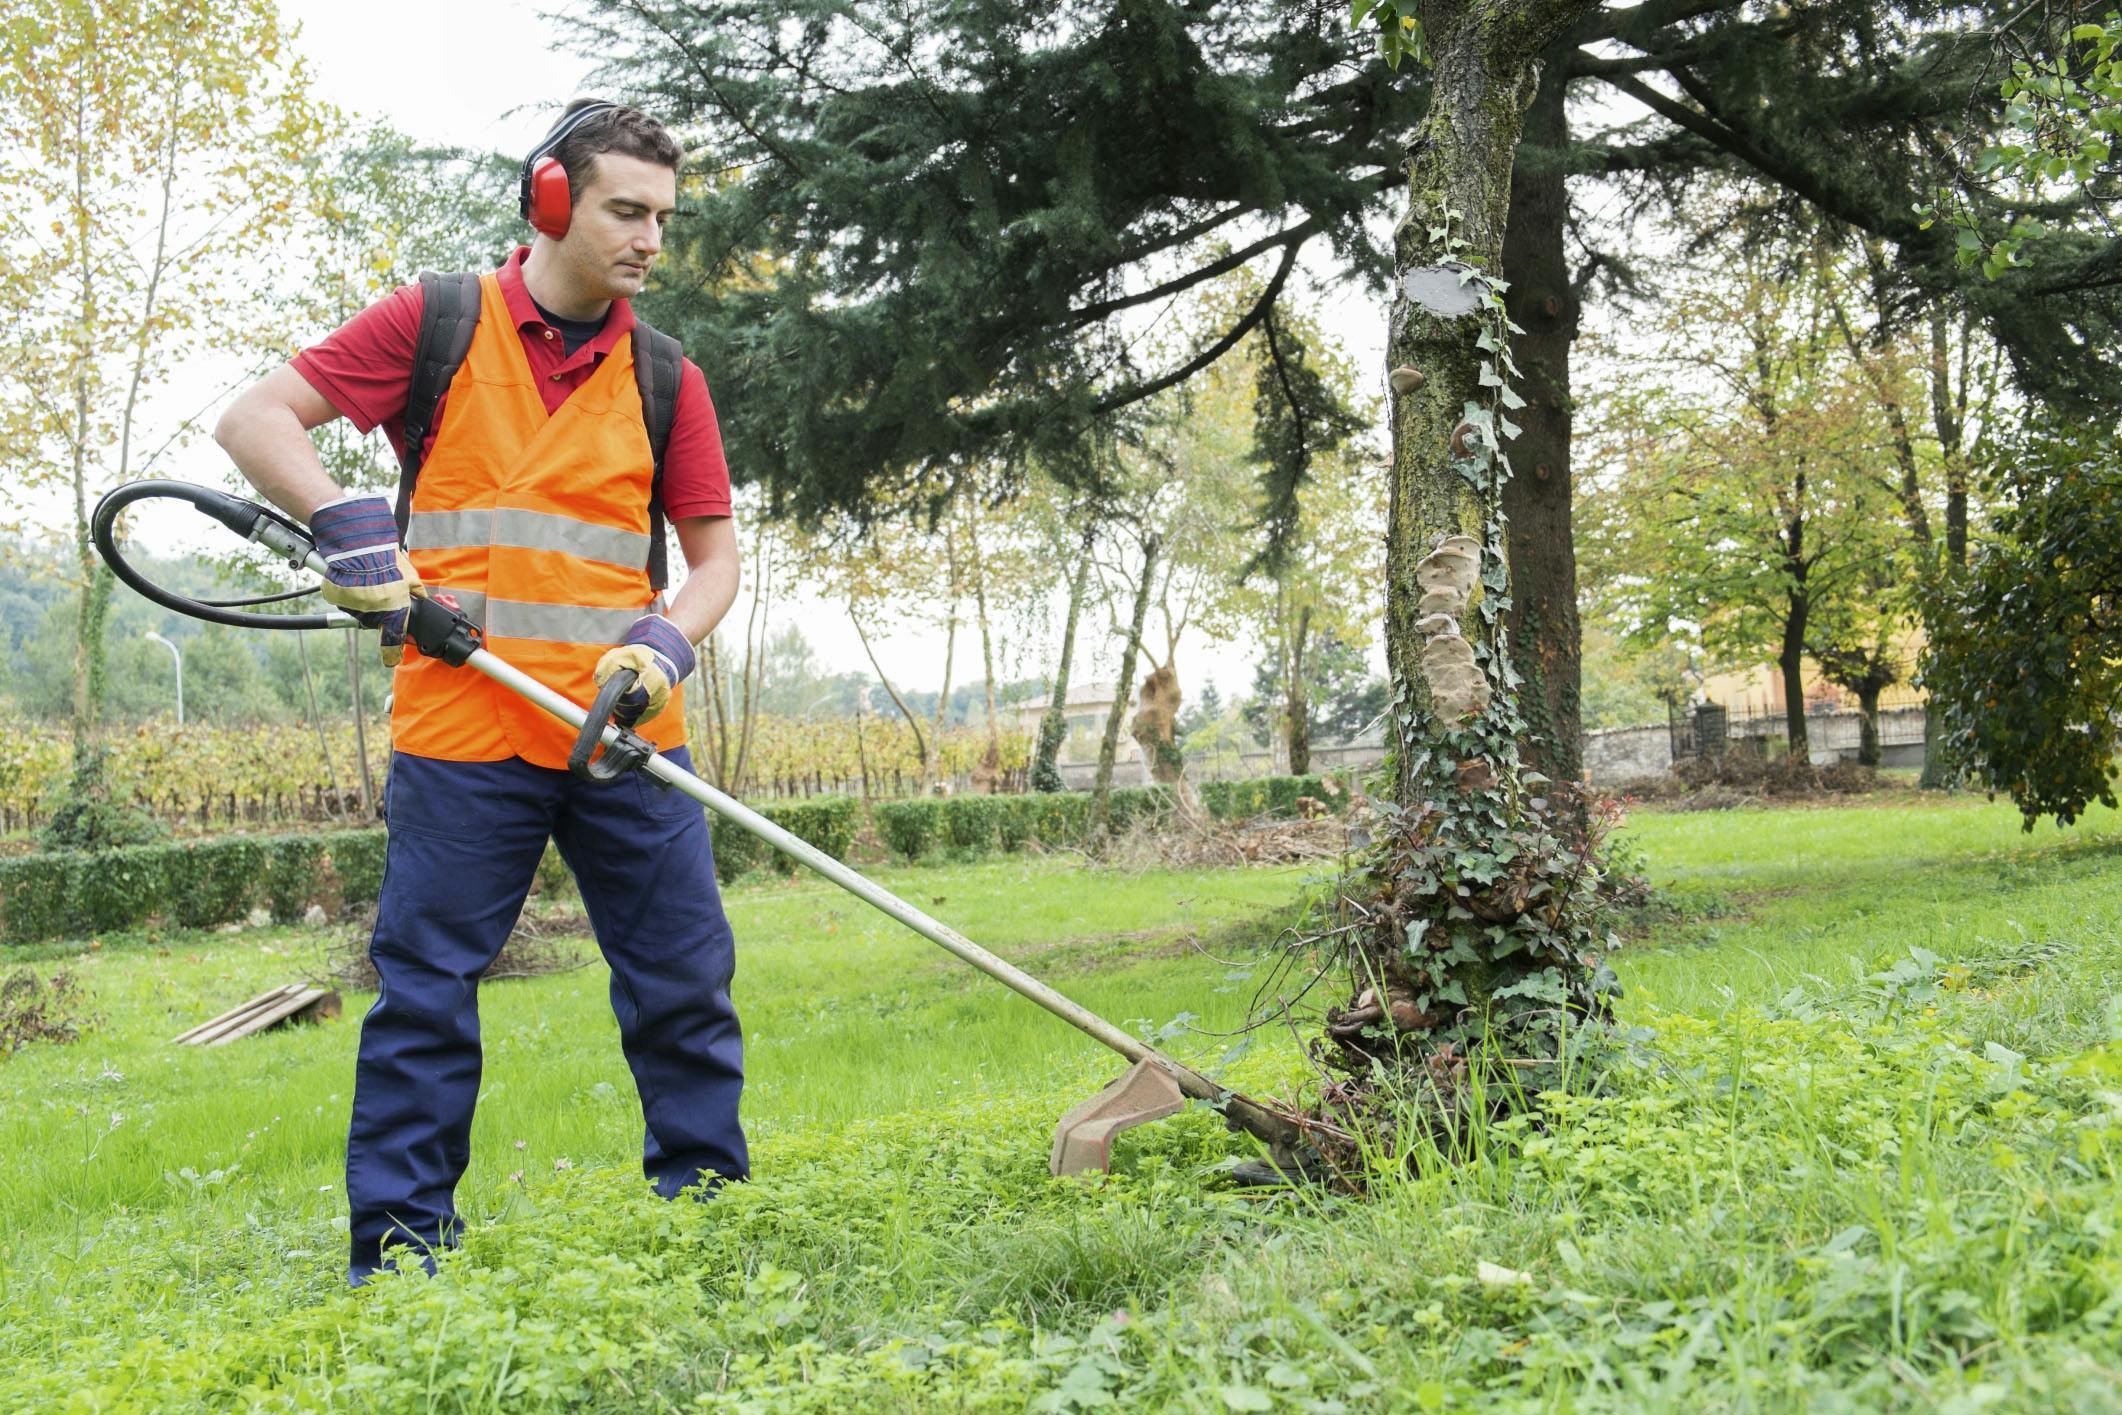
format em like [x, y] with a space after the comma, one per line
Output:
[266, 434]
[710, 546]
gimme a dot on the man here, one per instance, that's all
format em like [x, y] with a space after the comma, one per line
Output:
[531, 506]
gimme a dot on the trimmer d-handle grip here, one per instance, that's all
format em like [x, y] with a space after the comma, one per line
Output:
[620, 757]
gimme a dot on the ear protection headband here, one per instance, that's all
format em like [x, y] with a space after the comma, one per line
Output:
[541, 191]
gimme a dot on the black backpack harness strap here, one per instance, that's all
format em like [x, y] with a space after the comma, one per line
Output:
[449, 314]
[658, 363]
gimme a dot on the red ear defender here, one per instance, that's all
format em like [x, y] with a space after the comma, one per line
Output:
[541, 193]
[551, 209]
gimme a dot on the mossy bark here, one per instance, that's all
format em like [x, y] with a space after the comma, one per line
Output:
[1460, 957]
[1482, 80]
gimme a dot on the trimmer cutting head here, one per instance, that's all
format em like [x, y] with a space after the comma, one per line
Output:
[1084, 1139]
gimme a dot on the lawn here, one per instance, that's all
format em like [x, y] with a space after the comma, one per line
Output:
[1863, 1152]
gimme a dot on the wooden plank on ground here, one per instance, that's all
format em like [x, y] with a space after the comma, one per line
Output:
[214, 1025]
[275, 1013]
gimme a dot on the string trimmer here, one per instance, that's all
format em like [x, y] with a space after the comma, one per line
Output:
[1153, 1087]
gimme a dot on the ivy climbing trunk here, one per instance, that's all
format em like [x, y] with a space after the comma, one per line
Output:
[1053, 727]
[1460, 962]
[1545, 303]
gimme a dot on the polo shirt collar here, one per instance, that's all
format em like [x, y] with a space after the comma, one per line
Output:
[524, 311]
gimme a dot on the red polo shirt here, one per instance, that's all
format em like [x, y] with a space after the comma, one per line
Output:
[364, 368]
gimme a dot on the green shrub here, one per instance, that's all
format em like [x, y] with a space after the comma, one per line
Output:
[908, 827]
[1129, 806]
[294, 876]
[1016, 821]
[1275, 796]
[357, 863]
[194, 883]
[971, 823]
[1059, 819]
[827, 822]
[115, 889]
[213, 882]
[36, 893]
[736, 849]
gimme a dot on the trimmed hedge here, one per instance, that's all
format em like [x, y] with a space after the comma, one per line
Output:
[977, 825]
[827, 822]
[201, 883]
[193, 883]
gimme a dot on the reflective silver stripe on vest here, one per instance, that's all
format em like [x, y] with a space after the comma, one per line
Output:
[558, 623]
[471, 602]
[527, 530]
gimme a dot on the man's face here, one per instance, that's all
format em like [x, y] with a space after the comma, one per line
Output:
[616, 232]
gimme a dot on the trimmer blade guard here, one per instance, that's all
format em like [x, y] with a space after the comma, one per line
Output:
[1084, 1139]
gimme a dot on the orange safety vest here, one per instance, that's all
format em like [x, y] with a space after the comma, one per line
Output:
[538, 525]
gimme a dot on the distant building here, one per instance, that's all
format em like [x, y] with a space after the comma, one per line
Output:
[1088, 706]
[1758, 691]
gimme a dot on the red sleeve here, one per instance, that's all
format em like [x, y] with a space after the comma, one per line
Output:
[695, 478]
[364, 368]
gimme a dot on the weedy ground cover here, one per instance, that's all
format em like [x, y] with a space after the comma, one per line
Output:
[1864, 1154]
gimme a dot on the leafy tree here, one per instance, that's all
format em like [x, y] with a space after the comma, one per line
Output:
[1341, 695]
[1750, 501]
[155, 162]
[2050, 171]
[2026, 659]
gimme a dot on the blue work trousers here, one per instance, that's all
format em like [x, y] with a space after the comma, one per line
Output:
[465, 841]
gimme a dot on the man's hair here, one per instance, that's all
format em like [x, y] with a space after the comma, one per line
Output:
[627, 131]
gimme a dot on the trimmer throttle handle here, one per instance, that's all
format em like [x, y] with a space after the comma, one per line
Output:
[620, 757]
[441, 630]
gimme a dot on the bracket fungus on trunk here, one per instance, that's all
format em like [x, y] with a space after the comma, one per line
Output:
[1458, 689]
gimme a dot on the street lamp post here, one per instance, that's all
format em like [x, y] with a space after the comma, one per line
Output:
[175, 654]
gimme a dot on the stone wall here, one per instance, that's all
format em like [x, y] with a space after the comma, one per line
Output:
[1626, 753]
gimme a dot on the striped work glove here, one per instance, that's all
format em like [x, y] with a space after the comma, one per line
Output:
[365, 573]
[660, 654]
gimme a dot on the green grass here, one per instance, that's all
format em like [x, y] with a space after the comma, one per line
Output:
[1834, 1175]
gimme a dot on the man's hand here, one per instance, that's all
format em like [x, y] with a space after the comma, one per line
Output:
[657, 651]
[365, 573]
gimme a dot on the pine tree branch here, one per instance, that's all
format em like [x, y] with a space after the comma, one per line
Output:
[1090, 314]
[1134, 393]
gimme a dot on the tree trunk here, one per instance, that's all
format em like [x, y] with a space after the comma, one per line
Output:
[1545, 303]
[1867, 725]
[991, 761]
[1053, 728]
[1482, 79]
[913, 723]
[1431, 986]
[1296, 704]
[950, 657]
[1949, 419]
[1109, 744]
[717, 715]
[1790, 661]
